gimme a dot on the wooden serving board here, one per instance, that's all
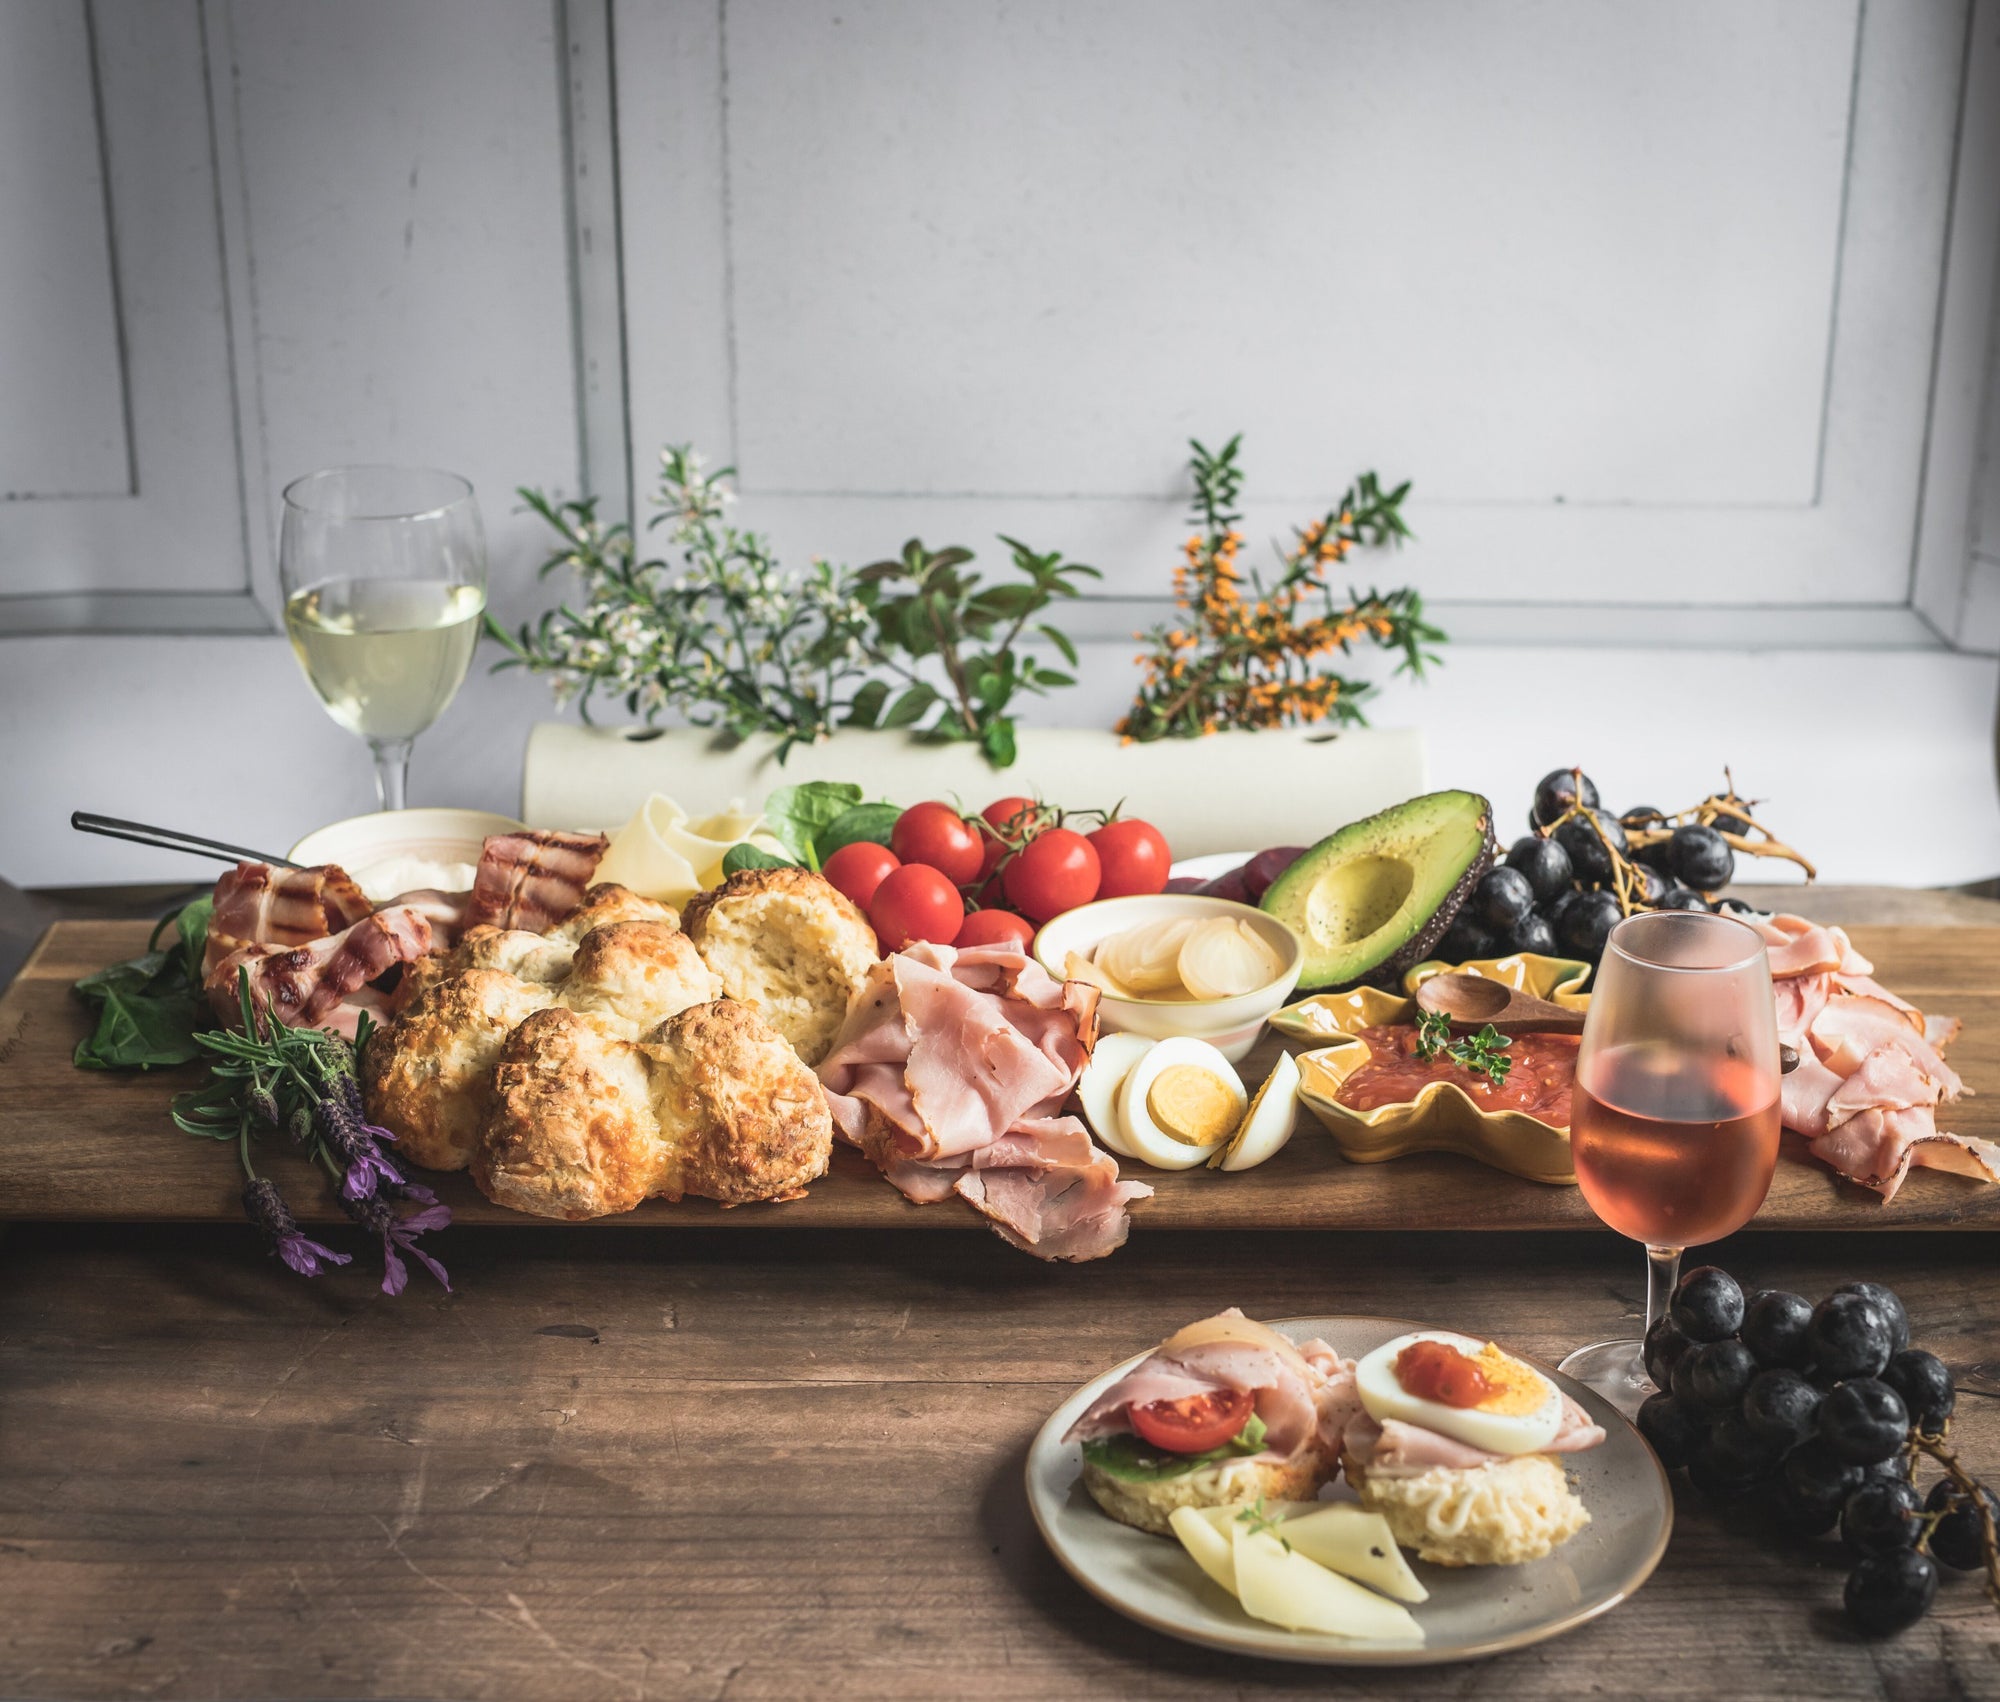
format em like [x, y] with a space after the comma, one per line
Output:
[77, 1144]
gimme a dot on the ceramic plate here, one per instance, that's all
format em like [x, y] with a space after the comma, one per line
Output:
[1472, 1611]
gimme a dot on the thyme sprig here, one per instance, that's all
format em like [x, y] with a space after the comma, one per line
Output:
[1483, 1053]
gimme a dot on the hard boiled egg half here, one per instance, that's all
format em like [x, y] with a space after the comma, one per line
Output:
[1520, 1413]
[1178, 1103]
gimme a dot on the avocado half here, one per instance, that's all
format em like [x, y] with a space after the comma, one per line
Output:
[1375, 897]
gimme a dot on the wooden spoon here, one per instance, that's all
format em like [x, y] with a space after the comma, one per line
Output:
[1472, 1002]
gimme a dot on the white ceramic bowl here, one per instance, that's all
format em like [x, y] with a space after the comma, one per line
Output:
[361, 843]
[1231, 1025]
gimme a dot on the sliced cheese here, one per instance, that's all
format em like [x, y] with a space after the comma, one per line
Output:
[661, 854]
[1206, 1543]
[1357, 1544]
[1280, 1586]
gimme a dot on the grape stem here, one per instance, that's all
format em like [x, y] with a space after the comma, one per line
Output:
[1625, 884]
[1938, 1448]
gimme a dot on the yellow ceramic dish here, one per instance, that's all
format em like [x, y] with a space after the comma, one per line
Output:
[1443, 1117]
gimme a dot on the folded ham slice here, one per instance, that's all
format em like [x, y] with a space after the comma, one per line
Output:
[1395, 1448]
[1306, 1395]
[1871, 1072]
[532, 879]
[951, 1072]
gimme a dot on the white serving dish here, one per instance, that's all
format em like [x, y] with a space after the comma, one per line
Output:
[434, 835]
[1231, 1025]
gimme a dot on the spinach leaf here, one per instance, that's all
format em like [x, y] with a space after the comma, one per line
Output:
[797, 815]
[1136, 1461]
[748, 856]
[150, 1007]
[869, 824]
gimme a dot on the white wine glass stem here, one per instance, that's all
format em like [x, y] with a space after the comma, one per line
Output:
[1663, 1270]
[392, 770]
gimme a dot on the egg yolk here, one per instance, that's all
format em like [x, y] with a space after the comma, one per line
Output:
[1490, 1381]
[1192, 1104]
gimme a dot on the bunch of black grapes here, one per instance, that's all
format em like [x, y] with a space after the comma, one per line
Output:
[1554, 895]
[1817, 1407]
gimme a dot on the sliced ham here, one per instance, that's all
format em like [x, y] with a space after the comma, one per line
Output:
[1866, 987]
[950, 1073]
[1871, 1071]
[532, 879]
[1303, 1397]
[1396, 1448]
[1878, 1147]
[1813, 951]
[1850, 1027]
[1805, 1094]
[1800, 998]
[1888, 1079]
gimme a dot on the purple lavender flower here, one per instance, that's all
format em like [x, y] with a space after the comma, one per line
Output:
[351, 1138]
[399, 1235]
[266, 1208]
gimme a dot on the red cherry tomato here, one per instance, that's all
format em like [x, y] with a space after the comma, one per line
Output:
[916, 902]
[995, 928]
[1057, 871]
[858, 869]
[937, 836]
[1133, 856]
[1194, 1423]
[1015, 818]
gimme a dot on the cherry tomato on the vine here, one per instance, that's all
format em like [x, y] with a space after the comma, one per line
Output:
[1056, 871]
[937, 836]
[995, 928]
[1133, 856]
[916, 902]
[1013, 818]
[858, 869]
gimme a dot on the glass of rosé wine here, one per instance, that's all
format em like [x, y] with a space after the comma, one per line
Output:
[1674, 1120]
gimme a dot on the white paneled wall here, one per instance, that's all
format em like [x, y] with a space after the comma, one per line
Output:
[1678, 312]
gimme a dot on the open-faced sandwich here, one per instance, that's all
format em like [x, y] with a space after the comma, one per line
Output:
[1222, 1413]
[1455, 1444]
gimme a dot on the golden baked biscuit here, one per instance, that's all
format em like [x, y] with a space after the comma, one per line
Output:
[711, 1102]
[749, 1119]
[571, 1132]
[790, 944]
[632, 974]
[532, 957]
[428, 1076]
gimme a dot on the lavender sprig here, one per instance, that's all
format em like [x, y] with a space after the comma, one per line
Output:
[301, 1083]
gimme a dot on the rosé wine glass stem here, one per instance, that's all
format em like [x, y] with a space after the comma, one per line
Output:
[1663, 1270]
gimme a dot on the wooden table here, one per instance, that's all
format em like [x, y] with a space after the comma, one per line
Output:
[699, 1463]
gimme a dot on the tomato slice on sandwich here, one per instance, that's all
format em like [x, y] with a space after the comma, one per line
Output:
[1195, 1423]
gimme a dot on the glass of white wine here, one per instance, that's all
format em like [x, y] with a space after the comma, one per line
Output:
[384, 575]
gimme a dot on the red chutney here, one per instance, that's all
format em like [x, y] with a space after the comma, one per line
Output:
[1437, 1371]
[1539, 1083]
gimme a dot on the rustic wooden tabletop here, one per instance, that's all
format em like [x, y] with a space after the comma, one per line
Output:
[695, 1463]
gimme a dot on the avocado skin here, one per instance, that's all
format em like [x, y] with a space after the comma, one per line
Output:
[1387, 972]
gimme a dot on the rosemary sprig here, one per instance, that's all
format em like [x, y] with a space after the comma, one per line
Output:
[301, 1083]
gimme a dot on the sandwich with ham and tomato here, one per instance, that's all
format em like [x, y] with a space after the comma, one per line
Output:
[1222, 1413]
